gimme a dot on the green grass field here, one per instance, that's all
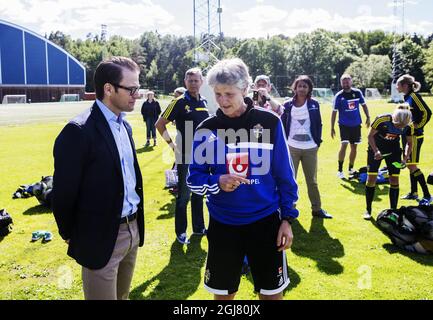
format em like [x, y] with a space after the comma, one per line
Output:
[342, 258]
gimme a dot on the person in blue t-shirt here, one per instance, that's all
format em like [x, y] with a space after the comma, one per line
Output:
[346, 103]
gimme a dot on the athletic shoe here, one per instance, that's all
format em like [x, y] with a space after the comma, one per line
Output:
[182, 238]
[147, 144]
[366, 215]
[202, 232]
[37, 235]
[425, 201]
[351, 172]
[154, 143]
[321, 214]
[410, 196]
[48, 236]
[340, 174]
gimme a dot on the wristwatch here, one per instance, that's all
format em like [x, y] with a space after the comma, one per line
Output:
[288, 219]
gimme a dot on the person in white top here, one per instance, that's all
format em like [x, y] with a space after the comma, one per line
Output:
[303, 124]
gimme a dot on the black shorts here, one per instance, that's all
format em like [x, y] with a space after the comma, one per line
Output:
[374, 165]
[417, 142]
[228, 245]
[350, 135]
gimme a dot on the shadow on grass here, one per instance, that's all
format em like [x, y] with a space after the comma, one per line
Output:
[168, 209]
[424, 259]
[39, 209]
[180, 278]
[144, 149]
[359, 188]
[317, 245]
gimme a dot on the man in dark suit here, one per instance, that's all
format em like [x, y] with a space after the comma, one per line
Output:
[98, 193]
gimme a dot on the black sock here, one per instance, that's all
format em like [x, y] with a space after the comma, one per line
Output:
[394, 190]
[419, 177]
[340, 166]
[369, 196]
[413, 184]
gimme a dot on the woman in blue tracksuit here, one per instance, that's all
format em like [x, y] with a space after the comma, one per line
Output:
[303, 126]
[242, 163]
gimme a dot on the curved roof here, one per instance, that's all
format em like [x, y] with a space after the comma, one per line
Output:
[28, 59]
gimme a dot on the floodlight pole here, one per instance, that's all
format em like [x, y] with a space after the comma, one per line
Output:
[207, 27]
[396, 62]
[104, 32]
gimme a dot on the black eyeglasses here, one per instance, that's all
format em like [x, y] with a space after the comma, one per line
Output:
[132, 90]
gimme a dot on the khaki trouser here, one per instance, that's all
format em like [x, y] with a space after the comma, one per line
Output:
[308, 158]
[114, 280]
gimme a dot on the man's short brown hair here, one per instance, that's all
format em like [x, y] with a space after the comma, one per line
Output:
[110, 71]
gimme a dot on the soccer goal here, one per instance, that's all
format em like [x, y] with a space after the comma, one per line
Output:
[324, 94]
[68, 97]
[372, 94]
[14, 98]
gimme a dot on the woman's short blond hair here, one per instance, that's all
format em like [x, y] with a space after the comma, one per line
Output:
[402, 115]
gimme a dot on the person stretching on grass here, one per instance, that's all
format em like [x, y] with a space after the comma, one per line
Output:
[384, 143]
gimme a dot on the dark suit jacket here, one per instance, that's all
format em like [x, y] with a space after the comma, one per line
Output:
[88, 188]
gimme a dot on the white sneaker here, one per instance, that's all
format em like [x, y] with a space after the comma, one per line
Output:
[425, 201]
[351, 172]
[366, 215]
[183, 238]
[340, 175]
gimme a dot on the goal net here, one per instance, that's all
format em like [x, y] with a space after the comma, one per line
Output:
[372, 94]
[324, 94]
[14, 98]
[67, 97]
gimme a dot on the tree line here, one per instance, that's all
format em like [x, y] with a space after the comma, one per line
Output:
[321, 54]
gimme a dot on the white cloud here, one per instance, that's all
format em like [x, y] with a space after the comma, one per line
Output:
[130, 18]
[261, 21]
[364, 10]
[258, 21]
[79, 17]
[400, 3]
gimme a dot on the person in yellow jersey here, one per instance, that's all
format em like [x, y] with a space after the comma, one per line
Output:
[421, 114]
[384, 144]
[188, 111]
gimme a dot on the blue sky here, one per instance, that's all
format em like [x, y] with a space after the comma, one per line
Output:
[240, 18]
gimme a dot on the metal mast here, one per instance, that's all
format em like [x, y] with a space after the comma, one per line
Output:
[104, 32]
[207, 29]
[398, 32]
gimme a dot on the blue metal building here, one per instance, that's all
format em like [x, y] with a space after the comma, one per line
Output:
[33, 65]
